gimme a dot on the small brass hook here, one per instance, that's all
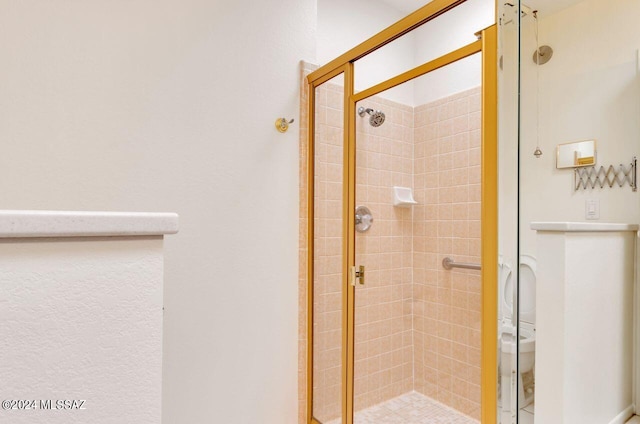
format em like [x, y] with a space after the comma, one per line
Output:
[282, 124]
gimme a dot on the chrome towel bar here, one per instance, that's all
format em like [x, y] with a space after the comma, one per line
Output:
[449, 263]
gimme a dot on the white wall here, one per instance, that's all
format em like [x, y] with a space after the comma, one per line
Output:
[169, 106]
[589, 90]
[81, 320]
[343, 25]
[444, 34]
[584, 338]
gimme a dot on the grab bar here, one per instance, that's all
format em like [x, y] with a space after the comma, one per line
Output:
[449, 263]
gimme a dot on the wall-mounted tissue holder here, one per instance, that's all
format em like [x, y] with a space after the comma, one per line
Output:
[403, 197]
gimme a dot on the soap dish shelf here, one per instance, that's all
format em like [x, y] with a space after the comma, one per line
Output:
[403, 197]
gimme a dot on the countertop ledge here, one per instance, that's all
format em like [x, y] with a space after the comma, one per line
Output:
[583, 227]
[19, 224]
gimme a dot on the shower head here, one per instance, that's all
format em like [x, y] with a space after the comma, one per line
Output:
[376, 117]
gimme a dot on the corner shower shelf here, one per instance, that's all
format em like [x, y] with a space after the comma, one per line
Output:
[590, 177]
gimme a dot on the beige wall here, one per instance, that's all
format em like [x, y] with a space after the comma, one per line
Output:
[446, 313]
[383, 306]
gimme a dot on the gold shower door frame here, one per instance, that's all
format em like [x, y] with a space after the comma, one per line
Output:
[487, 45]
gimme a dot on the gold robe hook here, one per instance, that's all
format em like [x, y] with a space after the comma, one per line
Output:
[282, 124]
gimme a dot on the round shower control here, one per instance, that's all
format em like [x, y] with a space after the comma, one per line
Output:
[364, 219]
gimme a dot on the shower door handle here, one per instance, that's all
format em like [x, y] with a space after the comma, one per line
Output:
[357, 275]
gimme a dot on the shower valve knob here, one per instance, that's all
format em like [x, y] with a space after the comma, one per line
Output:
[363, 219]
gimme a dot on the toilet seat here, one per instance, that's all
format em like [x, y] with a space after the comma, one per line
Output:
[509, 346]
[507, 339]
[527, 290]
[504, 274]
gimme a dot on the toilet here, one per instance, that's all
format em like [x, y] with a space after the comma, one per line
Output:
[507, 331]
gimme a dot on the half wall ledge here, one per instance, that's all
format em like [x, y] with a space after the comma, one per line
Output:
[30, 223]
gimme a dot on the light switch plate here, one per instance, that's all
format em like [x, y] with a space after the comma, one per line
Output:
[592, 209]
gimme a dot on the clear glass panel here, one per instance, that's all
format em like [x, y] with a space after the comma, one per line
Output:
[328, 255]
[508, 108]
[589, 89]
[446, 33]
[417, 325]
[343, 25]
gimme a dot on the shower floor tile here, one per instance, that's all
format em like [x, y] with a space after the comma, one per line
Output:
[410, 408]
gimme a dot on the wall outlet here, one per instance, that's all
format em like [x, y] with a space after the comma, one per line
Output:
[592, 209]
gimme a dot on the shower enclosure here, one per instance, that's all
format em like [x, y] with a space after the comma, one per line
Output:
[402, 294]
[401, 171]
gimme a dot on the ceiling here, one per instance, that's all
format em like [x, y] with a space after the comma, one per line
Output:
[546, 7]
[406, 6]
[549, 7]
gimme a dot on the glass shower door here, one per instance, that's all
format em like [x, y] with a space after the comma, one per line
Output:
[327, 302]
[383, 367]
[577, 293]
[417, 324]
[412, 330]
[508, 84]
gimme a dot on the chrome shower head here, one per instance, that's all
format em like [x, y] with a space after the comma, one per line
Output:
[376, 117]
